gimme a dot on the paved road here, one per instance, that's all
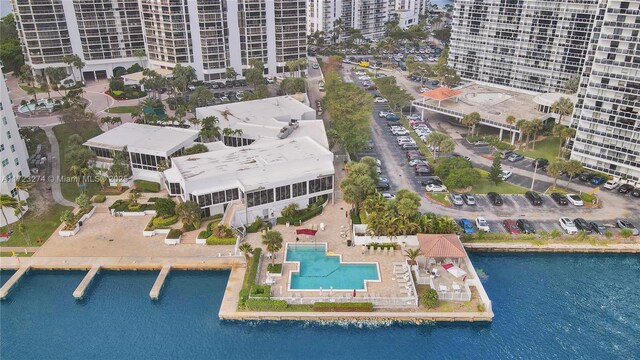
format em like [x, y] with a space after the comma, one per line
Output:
[55, 169]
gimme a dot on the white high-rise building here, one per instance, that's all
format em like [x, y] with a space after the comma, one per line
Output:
[208, 35]
[13, 153]
[607, 113]
[526, 44]
[368, 16]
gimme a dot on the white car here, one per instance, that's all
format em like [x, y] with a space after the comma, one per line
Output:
[413, 117]
[575, 199]
[424, 89]
[384, 113]
[505, 175]
[611, 184]
[417, 162]
[388, 196]
[568, 225]
[379, 100]
[360, 73]
[435, 188]
[482, 224]
[378, 170]
[400, 132]
[364, 78]
[378, 162]
[383, 179]
[406, 142]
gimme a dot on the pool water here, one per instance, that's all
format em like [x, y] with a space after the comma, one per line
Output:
[317, 270]
[45, 104]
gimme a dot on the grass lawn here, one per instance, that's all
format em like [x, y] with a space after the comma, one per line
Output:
[28, 88]
[19, 254]
[484, 185]
[86, 130]
[122, 109]
[38, 225]
[546, 148]
[441, 197]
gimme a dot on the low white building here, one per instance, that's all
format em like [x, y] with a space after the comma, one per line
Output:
[148, 147]
[258, 180]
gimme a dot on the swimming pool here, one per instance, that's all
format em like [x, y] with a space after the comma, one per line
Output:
[319, 270]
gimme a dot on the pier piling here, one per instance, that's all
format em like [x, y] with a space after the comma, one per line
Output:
[154, 294]
[84, 284]
[6, 288]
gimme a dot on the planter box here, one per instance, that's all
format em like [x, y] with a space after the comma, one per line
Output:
[201, 241]
[150, 233]
[67, 233]
[172, 241]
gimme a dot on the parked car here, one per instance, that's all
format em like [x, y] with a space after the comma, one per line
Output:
[417, 162]
[505, 175]
[568, 225]
[586, 176]
[482, 224]
[383, 185]
[506, 153]
[384, 113]
[431, 181]
[636, 192]
[383, 179]
[435, 188]
[480, 143]
[515, 157]
[525, 226]
[575, 200]
[423, 171]
[392, 117]
[559, 199]
[467, 226]
[534, 198]
[511, 227]
[380, 100]
[540, 162]
[610, 185]
[625, 188]
[456, 199]
[409, 146]
[598, 180]
[495, 198]
[597, 227]
[388, 196]
[623, 224]
[582, 225]
[469, 199]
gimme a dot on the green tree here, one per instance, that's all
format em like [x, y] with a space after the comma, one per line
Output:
[83, 202]
[554, 170]
[165, 207]
[461, 178]
[443, 34]
[10, 48]
[536, 125]
[119, 167]
[7, 201]
[430, 298]
[209, 129]
[140, 54]
[413, 254]
[447, 166]
[68, 218]
[231, 73]
[571, 85]
[471, 120]
[255, 73]
[273, 241]
[495, 174]
[246, 249]
[289, 211]
[200, 97]
[562, 107]
[447, 145]
[197, 148]
[573, 168]
[189, 213]
[358, 184]
[433, 141]
[56, 75]
[293, 85]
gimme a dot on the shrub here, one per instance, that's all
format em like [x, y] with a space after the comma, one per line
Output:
[117, 93]
[262, 291]
[165, 206]
[146, 186]
[174, 234]
[188, 227]
[214, 240]
[302, 215]
[429, 298]
[355, 217]
[290, 210]
[153, 199]
[274, 268]
[220, 230]
[481, 308]
[266, 305]
[375, 245]
[204, 234]
[626, 233]
[256, 225]
[150, 226]
[343, 307]
[555, 233]
[164, 221]
[135, 207]
[99, 198]
[120, 205]
[84, 203]
[608, 234]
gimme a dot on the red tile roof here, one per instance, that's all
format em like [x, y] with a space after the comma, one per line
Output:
[441, 93]
[441, 246]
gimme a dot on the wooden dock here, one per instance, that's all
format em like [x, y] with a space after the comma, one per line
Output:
[6, 288]
[154, 294]
[84, 284]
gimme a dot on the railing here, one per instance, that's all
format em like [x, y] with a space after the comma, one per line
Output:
[377, 301]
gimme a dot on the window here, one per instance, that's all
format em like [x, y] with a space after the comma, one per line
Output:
[100, 152]
[175, 189]
[13, 148]
[232, 194]
[322, 184]
[299, 189]
[16, 161]
[8, 134]
[9, 177]
[145, 161]
[283, 192]
[5, 162]
[1, 147]
[259, 197]
[4, 120]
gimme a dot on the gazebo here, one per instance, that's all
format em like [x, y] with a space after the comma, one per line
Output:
[441, 93]
[441, 248]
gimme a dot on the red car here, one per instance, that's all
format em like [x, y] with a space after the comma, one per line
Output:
[511, 227]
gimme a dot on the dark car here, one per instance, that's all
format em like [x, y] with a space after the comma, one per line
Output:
[525, 226]
[597, 227]
[429, 181]
[511, 227]
[559, 199]
[534, 198]
[598, 180]
[392, 117]
[582, 225]
[383, 185]
[411, 153]
[636, 192]
[423, 171]
[416, 157]
[586, 176]
[495, 198]
[409, 146]
[469, 199]
[540, 162]
[625, 188]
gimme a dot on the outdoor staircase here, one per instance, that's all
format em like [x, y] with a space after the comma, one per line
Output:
[230, 212]
[189, 237]
[101, 210]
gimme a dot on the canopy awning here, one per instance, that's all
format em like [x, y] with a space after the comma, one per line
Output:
[306, 232]
[441, 93]
[454, 270]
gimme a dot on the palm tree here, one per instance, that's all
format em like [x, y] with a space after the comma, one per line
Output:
[555, 169]
[22, 183]
[566, 134]
[140, 54]
[273, 241]
[573, 168]
[471, 120]
[536, 125]
[413, 254]
[7, 201]
[510, 120]
[246, 250]
[69, 59]
[447, 145]
[562, 107]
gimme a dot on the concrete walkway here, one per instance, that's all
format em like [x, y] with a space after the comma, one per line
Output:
[551, 247]
[55, 169]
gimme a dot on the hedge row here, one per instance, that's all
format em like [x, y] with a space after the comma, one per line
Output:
[274, 268]
[99, 198]
[204, 234]
[388, 245]
[174, 234]
[214, 240]
[302, 215]
[343, 307]
[266, 305]
[124, 205]
[261, 291]
[249, 277]
[164, 221]
[147, 186]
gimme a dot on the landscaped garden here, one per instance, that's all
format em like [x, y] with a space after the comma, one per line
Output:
[546, 148]
[122, 109]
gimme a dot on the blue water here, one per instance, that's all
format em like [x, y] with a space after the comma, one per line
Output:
[547, 307]
[319, 270]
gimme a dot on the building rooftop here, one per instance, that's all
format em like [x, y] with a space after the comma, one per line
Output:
[441, 246]
[259, 164]
[441, 93]
[143, 137]
[265, 118]
[137, 76]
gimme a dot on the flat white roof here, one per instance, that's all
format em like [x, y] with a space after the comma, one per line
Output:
[137, 76]
[143, 138]
[265, 118]
[261, 164]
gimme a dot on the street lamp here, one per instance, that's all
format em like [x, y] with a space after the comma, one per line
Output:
[535, 171]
